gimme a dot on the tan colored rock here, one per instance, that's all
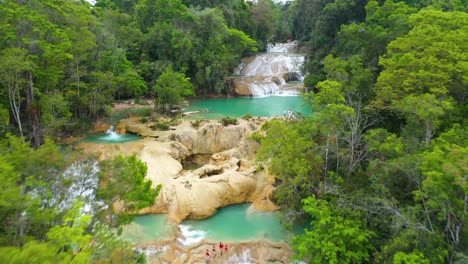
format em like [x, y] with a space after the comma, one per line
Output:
[260, 251]
[110, 151]
[230, 177]
[213, 137]
[100, 126]
[134, 125]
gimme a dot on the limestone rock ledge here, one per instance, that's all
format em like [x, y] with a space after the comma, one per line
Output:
[134, 125]
[100, 126]
[260, 251]
[229, 177]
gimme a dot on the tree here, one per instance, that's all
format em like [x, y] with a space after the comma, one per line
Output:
[369, 39]
[109, 247]
[291, 151]
[424, 110]
[445, 187]
[14, 63]
[414, 258]
[332, 238]
[429, 59]
[171, 88]
[328, 104]
[125, 189]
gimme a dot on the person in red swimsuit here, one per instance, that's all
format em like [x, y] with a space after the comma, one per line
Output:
[221, 247]
[207, 254]
[225, 248]
[214, 251]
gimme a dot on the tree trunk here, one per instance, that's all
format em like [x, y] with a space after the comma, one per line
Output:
[15, 102]
[428, 132]
[32, 112]
[326, 157]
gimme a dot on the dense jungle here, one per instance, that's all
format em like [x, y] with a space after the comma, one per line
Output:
[378, 173]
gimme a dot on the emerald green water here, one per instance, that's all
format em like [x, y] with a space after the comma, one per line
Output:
[237, 223]
[256, 106]
[148, 228]
[232, 223]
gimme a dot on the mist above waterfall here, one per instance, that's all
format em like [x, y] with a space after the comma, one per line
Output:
[269, 73]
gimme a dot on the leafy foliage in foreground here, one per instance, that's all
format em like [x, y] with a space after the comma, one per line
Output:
[58, 209]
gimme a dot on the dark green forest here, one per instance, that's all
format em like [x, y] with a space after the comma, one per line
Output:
[379, 173]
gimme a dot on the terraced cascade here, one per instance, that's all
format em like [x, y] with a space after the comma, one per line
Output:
[276, 72]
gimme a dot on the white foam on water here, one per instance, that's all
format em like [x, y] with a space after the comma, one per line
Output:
[288, 47]
[243, 258]
[189, 236]
[271, 70]
[263, 89]
[111, 134]
[271, 65]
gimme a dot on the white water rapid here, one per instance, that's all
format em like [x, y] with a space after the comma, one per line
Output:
[276, 72]
[189, 236]
[111, 134]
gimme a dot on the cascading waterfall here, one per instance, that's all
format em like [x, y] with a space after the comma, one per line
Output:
[189, 236]
[269, 73]
[111, 134]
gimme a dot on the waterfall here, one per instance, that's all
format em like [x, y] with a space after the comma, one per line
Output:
[189, 236]
[269, 73]
[111, 134]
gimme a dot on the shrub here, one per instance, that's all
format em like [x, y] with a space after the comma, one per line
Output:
[247, 116]
[256, 136]
[196, 123]
[160, 126]
[259, 168]
[229, 121]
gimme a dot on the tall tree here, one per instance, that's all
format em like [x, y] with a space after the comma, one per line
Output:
[332, 238]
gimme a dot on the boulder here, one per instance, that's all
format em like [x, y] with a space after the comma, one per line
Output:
[213, 137]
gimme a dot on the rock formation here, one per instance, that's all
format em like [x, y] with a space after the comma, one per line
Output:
[261, 251]
[229, 177]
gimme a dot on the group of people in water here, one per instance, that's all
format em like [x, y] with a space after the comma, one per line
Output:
[209, 255]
